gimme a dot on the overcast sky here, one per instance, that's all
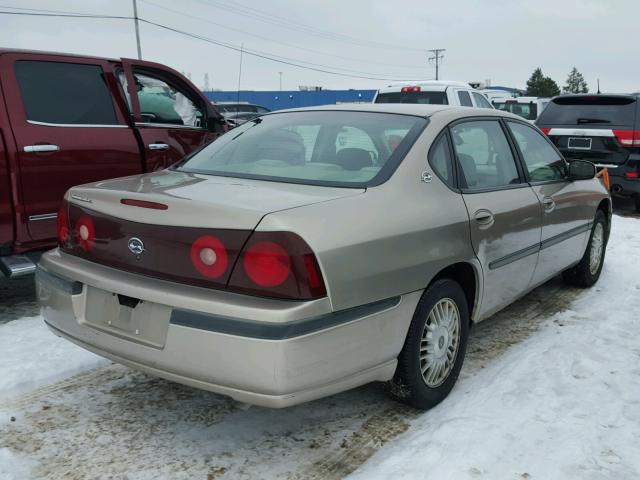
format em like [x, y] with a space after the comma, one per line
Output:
[500, 40]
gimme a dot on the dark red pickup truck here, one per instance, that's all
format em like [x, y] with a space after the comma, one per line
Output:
[67, 120]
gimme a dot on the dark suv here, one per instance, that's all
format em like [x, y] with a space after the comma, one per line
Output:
[602, 128]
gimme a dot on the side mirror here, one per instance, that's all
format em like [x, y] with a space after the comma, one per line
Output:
[581, 170]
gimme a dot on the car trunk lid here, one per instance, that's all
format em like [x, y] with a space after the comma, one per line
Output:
[177, 226]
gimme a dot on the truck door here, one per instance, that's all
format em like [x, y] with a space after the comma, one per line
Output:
[67, 128]
[171, 115]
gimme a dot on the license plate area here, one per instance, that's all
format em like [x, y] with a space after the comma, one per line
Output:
[127, 317]
[580, 143]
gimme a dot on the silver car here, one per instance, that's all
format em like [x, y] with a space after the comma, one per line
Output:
[311, 251]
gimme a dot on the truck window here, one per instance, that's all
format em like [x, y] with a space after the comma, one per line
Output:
[65, 93]
[481, 101]
[465, 98]
[162, 103]
[437, 98]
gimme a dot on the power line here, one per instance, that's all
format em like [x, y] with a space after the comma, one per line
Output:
[264, 55]
[226, 27]
[266, 17]
[255, 53]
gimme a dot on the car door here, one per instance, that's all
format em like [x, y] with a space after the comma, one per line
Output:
[68, 130]
[504, 210]
[170, 114]
[565, 220]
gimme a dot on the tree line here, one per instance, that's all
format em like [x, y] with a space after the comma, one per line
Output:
[540, 86]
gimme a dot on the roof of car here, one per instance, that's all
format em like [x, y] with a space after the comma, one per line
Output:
[427, 85]
[43, 52]
[416, 109]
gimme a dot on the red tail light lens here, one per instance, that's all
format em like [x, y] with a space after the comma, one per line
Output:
[209, 256]
[410, 89]
[628, 138]
[632, 175]
[545, 130]
[85, 233]
[63, 225]
[267, 264]
[280, 265]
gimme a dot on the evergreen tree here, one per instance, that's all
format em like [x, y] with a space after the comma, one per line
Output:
[575, 83]
[540, 86]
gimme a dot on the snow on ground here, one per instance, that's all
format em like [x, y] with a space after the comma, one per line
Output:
[46, 359]
[565, 403]
[550, 390]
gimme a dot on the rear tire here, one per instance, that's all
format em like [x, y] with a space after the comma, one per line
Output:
[587, 272]
[434, 350]
[636, 201]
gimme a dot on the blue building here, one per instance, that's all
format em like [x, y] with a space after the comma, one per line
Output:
[278, 100]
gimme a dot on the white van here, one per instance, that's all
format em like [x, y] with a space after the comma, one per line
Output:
[433, 92]
[528, 108]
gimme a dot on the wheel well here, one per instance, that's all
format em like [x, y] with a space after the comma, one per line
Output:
[605, 206]
[465, 275]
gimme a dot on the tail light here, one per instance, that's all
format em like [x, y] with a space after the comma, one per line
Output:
[209, 256]
[268, 264]
[628, 138]
[278, 264]
[63, 224]
[85, 233]
[410, 89]
[545, 130]
[632, 175]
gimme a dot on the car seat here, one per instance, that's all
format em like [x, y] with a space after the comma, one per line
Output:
[353, 158]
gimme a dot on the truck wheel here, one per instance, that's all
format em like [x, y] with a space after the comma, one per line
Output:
[587, 272]
[433, 352]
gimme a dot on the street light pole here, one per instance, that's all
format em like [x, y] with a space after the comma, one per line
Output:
[135, 19]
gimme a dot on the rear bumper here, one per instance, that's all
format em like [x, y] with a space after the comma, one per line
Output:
[260, 351]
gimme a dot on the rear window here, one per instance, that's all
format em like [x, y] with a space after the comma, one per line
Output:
[436, 98]
[525, 110]
[336, 148]
[590, 110]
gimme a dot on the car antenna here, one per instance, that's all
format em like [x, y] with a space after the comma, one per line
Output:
[599, 87]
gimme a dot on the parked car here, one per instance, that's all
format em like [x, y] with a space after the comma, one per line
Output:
[311, 251]
[235, 119]
[233, 108]
[494, 95]
[528, 108]
[602, 128]
[69, 119]
[432, 92]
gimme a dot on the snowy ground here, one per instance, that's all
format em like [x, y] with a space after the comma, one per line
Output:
[550, 390]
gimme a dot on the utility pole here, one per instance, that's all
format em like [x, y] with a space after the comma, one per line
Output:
[280, 73]
[437, 58]
[135, 19]
[240, 76]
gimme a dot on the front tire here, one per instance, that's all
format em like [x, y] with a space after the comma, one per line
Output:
[434, 350]
[586, 273]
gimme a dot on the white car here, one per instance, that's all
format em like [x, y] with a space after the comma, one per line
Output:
[528, 108]
[438, 92]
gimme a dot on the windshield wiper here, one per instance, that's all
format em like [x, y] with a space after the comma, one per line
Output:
[592, 120]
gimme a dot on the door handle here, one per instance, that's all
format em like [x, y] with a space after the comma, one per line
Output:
[158, 146]
[483, 217]
[548, 204]
[41, 148]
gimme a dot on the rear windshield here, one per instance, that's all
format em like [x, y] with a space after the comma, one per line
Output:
[437, 98]
[589, 110]
[525, 110]
[336, 148]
